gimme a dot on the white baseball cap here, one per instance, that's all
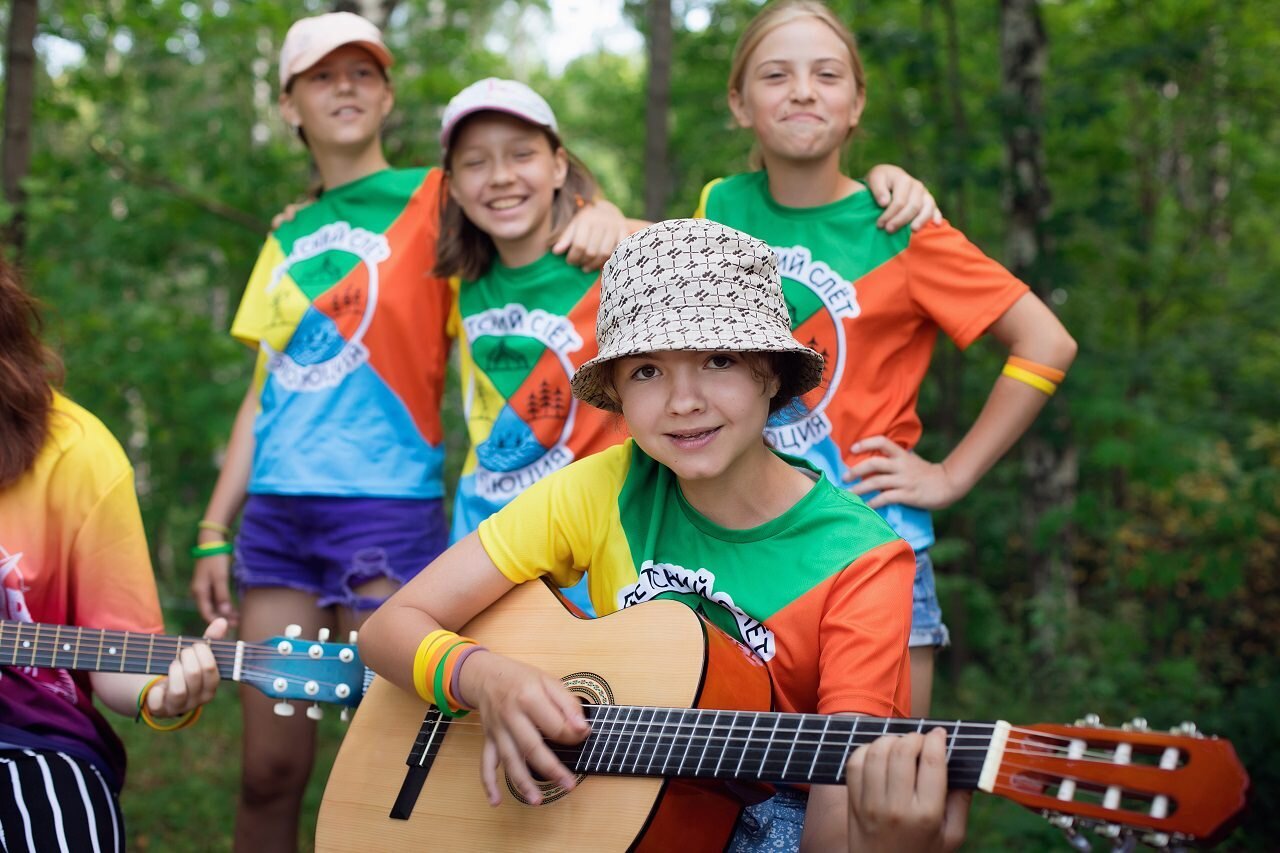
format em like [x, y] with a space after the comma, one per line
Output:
[310, 40]
[504, 96]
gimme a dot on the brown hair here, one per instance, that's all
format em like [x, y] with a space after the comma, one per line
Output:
[464, 250]
[763, 365]
[775, 15]
[28, 370]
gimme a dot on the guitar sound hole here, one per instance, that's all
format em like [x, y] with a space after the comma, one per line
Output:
[591, 689]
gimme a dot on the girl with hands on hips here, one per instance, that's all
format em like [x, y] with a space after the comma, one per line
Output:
[872, 301]
[890, 473]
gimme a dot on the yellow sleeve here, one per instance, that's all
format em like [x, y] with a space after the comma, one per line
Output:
[272, 304]
[563, 524]
[701, 212]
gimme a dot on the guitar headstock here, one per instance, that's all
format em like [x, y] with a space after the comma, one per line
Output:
[1128, 783]
[291, 668]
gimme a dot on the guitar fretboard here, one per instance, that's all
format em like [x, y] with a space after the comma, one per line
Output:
[754, 746]
[69, 647]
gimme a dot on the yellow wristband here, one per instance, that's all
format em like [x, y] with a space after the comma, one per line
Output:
[1028, 378]
[421, 671]
[206, 524]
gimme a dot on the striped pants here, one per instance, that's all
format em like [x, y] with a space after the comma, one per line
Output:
[51, 801]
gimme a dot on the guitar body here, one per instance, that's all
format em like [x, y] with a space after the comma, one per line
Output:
[661, 654]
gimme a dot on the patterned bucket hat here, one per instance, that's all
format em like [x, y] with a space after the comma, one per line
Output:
[693, 284]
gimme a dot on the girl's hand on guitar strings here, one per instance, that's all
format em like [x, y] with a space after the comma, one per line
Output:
[898, 798]
[193, 677]
[521, 707]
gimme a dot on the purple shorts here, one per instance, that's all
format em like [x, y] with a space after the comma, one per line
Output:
[330, 546]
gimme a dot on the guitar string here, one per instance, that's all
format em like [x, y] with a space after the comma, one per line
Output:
[1038, 750]
[264, 651]
[169, 647]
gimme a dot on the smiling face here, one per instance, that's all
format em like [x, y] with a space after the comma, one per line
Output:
[798, 92]
[341, 101]
[504, 173]
[702, 414]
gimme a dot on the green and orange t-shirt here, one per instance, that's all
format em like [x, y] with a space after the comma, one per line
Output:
[352, 349]
[872, 303]
[522, 332]
[822, 593]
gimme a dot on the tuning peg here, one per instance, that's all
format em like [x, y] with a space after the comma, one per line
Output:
[1156, 839]
[293, 632]
[1137, 724]
[345, 714]
[1126, 843]
[1108, 830]
[315, 712]
[1187, 728]
[283, 709]
[323, 635]
[342, 691]
[1092, 721]
[351, 638]
[1076, 841]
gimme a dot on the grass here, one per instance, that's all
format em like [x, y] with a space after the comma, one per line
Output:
[181, 788]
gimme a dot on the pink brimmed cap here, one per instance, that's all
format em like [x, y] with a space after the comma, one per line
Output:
[310, 40]
[504, 96]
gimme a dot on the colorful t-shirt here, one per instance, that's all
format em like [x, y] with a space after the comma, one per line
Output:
[521, 335]
[822, 593]
[352, 350]
[872, 303]
[72, 552]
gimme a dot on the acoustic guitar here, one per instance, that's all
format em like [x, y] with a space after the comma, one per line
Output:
[680, 728]
[284, 668]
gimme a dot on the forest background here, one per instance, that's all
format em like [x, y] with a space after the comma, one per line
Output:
[1121, 155]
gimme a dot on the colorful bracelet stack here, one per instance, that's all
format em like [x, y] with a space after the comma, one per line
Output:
[436, 667]
[1039, 376]
[144, 715]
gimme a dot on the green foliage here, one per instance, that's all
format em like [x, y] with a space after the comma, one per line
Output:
[159, 159]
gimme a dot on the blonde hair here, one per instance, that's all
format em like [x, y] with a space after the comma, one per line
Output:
[775, 15]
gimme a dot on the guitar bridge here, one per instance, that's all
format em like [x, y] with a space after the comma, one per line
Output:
[426, 746]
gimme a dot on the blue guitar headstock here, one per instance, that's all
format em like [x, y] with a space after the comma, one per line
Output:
[314, 671]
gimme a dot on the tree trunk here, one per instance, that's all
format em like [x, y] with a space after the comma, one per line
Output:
[657, 102]
[19, 107]
[1050, 463]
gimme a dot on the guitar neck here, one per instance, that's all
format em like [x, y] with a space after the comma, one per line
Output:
[763, 746]
[69, 647]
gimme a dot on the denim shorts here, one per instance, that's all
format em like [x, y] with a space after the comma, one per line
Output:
[330, 546]
[927, 628]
